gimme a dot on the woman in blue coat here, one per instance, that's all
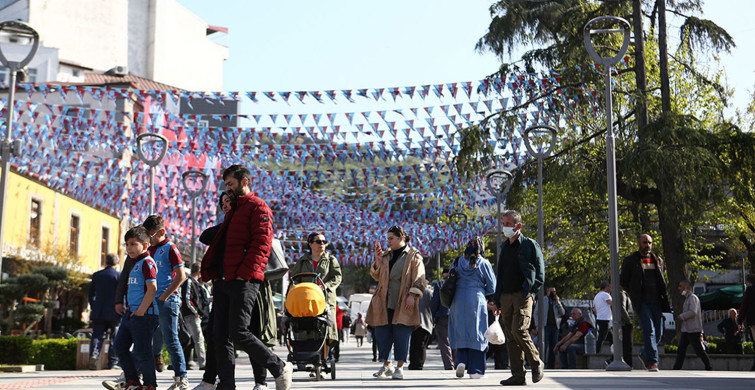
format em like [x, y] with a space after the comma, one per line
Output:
[468, 319]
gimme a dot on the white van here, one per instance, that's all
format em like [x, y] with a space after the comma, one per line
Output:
[358, 303]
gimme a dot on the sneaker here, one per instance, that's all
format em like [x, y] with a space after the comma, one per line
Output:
[398, 373]
[642, 360]
[114, 385]
[204, 386]
[653, 368]
[384, 371]
[159, 364]
[179, 383]
[477, 376]
[258, 386]
[93, 363]
[133, 385]
[460, 370]
[150, 387]
[283, 381]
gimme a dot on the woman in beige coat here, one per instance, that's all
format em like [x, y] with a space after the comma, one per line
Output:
[394, 311]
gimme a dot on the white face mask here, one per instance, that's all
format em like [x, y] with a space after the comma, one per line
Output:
[509, 231]
[684, 293]
[570, 322]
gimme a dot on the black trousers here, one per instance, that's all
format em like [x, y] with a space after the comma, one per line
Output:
[233, 302]
[626, 343]
[604, 331]
[693, 339]
[418, 348]
[500, 354]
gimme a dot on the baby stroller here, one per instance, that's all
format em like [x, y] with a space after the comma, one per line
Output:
[305, 325]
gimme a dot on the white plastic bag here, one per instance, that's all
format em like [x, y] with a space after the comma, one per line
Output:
[494, 334]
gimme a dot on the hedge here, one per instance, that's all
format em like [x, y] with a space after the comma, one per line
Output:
[15, 349]
[55, 354]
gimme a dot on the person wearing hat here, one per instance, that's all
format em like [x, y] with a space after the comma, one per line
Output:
[468, 320]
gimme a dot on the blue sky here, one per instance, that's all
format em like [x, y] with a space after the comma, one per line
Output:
[317, 45]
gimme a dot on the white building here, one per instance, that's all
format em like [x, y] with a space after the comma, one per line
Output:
[155, 39]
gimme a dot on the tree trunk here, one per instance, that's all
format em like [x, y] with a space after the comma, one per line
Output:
[674, 255]
[639, 65]
[663, 53]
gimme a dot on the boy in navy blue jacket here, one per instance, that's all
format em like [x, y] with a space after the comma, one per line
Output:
[140, 318]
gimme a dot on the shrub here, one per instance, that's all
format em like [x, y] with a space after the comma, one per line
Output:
[15, 349]
[748, 348]
[669, 348]
[55, 354]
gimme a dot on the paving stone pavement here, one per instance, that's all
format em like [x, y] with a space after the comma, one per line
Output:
[355, 369]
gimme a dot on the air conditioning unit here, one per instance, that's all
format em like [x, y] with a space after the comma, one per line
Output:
[118, 71]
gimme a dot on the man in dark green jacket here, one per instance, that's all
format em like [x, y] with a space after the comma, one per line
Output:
[521, 273]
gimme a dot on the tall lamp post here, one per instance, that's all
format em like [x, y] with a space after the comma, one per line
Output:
[8, 146]
[458, 221]
[495, 182]
[189, 180]
[540, 153]
[148, 155]
[613, 225]
[437, 245]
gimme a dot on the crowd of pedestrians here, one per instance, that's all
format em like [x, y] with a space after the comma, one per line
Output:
[154, 302]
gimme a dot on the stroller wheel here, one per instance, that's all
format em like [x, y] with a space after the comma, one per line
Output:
[332, 369]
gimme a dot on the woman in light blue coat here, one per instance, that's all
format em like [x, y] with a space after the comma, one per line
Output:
[468, 319]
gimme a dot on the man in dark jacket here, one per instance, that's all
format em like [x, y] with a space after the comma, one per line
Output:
[642, 277]
[104, 316]
[246, 235]
[747, 310]
[521, 273]
[192, 311]
[440, 316]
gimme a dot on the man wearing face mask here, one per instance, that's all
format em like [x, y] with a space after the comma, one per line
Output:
[521, 273]
[692, 326]
[642, 277]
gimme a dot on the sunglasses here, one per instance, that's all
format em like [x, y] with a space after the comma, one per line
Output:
[321, 242]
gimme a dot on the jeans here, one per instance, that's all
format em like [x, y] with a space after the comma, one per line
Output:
[569, 357]
[99, 329]
[651, 321]
[472, 358]
[690, 338]
[168, 313]
[232, 312]
[551, 339]
[194, 327]
[138, 331]
[603, 332]
[393, 336]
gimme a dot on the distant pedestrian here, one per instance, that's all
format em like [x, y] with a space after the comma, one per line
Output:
[421, 334]
[192, 310]
[104, 317]
[440, 317]
[499, 353]
[469, 312]
[603, 314]
[555, 311]
[521, 273]
[691, 328]
[747, 310]
[730, 329]
[394, 308]
[642, 278]
[346, 326]
[360, 330]
[627, 327]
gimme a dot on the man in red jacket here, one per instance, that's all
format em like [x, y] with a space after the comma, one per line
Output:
[236, 261]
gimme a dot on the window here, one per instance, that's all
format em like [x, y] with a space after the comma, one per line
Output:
[105, 244]
[35, 216]
[74, 235]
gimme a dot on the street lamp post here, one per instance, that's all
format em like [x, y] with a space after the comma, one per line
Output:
[494, 182]
[189, 180]
[437, 245]
[8, 147]
[613, 225]
[541, 130]
[146, 155]
[458, 221]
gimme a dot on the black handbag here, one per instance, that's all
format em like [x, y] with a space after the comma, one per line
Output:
[448, 288]
[276, 263]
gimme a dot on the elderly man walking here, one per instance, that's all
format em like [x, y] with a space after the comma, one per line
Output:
[642, 277]
[692, 327]
[521, 273]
